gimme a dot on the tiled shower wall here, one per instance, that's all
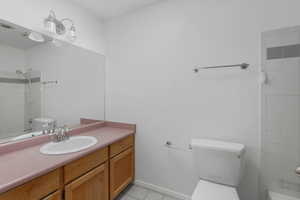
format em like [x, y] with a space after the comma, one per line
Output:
[281, 112]
[11, 95]
[12, 109]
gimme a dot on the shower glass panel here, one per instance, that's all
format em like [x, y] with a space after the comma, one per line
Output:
[280, 140]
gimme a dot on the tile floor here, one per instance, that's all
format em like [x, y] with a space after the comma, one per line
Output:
[134, 192]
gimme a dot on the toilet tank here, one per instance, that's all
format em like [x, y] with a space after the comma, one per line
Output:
[218, 161]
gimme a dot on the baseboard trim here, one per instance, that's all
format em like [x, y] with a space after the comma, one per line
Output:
[162, 190]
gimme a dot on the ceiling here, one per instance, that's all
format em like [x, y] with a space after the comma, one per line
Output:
[106, 9]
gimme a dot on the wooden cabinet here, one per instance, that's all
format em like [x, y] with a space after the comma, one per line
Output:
[101, 175]
[55, 196]
[121, 172]
[79, 167]
[37, 188]
[121, 145]
[91, 186]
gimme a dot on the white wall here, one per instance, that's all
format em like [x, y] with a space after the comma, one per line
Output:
[31, 13]
[11, 59]
[151, 54]
[11, 95]
[80, 75]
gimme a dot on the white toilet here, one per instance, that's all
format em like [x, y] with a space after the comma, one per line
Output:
[220, 167]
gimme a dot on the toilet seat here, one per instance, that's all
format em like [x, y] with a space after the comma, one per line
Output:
[211, 191]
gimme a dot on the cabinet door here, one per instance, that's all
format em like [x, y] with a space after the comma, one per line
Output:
[55, 196]
[38, 188]
[91, 186]
[121, 172]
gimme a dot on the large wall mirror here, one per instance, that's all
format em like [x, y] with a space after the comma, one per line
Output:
[46, 83]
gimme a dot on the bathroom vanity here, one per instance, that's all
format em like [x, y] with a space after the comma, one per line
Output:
[100, 172]
[46, 87]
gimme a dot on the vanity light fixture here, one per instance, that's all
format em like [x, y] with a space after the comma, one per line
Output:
[64, 27]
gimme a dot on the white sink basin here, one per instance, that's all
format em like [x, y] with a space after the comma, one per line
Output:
[74, 144]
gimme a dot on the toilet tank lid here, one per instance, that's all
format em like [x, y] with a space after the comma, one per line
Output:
[218, 145]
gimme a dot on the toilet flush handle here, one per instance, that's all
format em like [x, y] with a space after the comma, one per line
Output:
[297, 171]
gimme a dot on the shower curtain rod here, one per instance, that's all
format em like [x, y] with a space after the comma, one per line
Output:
[242, 66]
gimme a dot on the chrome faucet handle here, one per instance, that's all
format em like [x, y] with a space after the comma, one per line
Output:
[61, 134]
[65, 131]
[54, 136]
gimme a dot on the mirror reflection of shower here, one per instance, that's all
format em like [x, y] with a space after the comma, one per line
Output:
[32, 90]
[27, 76]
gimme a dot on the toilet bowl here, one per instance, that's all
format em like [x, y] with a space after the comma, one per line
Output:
[211, 191]
[220, 166]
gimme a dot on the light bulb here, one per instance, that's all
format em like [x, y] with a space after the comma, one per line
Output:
[49, 23]
[50, 26]
[37, 37]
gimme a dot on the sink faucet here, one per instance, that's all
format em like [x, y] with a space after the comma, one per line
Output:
[64, 133]
[59, 134]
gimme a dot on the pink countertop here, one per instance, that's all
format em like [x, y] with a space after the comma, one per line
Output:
[23, 165]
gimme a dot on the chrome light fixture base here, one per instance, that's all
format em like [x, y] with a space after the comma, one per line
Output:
[64, 27]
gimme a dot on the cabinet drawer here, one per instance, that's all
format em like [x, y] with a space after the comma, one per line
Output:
[121, 145]
[85, 164]
[37, 188]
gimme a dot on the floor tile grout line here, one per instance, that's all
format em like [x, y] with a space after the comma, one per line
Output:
[148, 191]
